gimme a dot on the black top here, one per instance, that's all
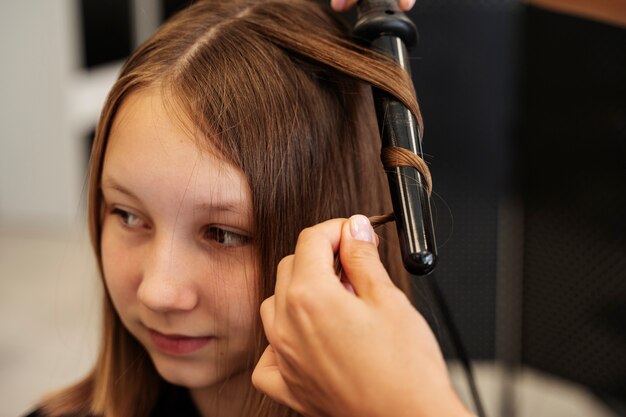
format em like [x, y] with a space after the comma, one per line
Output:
[173, 401]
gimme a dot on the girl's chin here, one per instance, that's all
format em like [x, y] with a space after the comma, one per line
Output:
[185, 373]
[190, 374]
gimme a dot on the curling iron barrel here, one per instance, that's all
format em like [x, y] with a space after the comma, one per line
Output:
[387, 29]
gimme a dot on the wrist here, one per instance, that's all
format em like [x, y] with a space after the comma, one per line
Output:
[443, 403]
[446, 404]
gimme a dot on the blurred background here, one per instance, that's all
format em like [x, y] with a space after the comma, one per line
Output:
[525, 113]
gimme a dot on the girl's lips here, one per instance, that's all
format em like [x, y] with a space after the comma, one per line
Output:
[177, 344]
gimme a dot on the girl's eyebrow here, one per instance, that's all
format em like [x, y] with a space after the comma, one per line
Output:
[234, 206]
[114, 185]
[223, 206]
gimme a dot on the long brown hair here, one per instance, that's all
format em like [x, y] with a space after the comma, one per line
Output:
[282, 94]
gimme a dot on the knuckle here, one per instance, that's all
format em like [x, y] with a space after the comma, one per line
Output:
[301, 301]
[283, 265]
[305, 235]
[364, 253]
[257, 380]
[265, 305]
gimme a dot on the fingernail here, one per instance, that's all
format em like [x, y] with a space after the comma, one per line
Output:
[361, 228]
[339, 5]
[408, 4]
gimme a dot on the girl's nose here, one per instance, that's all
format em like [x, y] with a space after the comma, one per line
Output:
[168, 283]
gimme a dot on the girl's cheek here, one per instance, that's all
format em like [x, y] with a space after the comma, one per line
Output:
[120, 267]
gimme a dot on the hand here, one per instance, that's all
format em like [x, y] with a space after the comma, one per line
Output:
[336, 353]
[343, 5]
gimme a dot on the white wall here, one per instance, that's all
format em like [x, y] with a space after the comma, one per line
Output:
[47, 105]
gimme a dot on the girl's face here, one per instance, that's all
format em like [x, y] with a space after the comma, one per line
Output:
[176, 249]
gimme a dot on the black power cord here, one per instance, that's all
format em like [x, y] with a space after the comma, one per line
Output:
[452, 332]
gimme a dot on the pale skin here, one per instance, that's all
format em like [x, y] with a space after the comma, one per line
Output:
[177, 260]
[337, 353]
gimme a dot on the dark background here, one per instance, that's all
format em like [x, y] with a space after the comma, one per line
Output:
[525, 114]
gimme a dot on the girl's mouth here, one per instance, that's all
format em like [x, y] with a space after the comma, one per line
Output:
[178, 344]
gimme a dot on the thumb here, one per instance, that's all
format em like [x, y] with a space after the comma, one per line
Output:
[359, 257]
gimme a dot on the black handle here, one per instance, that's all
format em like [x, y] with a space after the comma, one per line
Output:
[377, 18]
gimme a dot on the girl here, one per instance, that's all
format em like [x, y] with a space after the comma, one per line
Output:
[234, 127]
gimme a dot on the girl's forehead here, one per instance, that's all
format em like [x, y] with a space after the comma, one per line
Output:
[146, 125]
[151, 149]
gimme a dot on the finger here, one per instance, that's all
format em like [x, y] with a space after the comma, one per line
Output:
[268, 313]
[284, 272]
[315, 250]
[266, 377]
[360, 259]
[406, 5]
[346, 283]
[341, 5]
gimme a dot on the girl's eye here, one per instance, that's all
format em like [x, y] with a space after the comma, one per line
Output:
[128, 219]
[225, 237]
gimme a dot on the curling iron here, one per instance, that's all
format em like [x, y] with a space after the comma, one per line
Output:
[387, 29]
